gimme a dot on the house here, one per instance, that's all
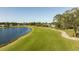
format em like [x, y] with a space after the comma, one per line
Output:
[1, 25]
[52, 25]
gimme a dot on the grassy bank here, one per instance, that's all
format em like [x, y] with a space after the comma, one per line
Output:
[70, 32]
[42, 39]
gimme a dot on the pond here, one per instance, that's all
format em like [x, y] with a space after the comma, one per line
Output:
[8, 35]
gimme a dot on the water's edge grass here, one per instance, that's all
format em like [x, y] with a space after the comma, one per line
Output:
[42, 39]
[13, 40]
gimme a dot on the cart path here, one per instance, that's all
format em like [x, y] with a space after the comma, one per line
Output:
[65, 35]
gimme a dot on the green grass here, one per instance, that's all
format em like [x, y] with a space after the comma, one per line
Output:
[70, 32]
[42, 39]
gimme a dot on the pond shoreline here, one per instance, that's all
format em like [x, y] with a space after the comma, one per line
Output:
[29, 30]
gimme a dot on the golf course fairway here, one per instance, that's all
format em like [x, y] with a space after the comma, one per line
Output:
[42, 39]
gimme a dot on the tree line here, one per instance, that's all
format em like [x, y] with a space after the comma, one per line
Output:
[9, 24]
[39, 24]
[67, 20]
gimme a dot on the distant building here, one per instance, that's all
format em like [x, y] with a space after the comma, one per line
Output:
[52, 25]
[1, 25]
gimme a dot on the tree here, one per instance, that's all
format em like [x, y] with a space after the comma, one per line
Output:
[69, 19]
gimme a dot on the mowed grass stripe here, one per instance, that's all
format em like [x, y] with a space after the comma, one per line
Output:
[41, 39]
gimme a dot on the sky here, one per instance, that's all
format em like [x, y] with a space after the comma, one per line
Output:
[30, 14]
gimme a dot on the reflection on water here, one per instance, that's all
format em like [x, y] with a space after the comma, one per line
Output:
[10, 34]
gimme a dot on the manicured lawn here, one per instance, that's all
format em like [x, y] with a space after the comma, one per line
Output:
[42, 39]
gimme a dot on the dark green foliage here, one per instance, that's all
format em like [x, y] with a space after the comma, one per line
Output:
[68, 20]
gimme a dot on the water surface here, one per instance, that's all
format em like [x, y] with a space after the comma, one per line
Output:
[8, 35]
